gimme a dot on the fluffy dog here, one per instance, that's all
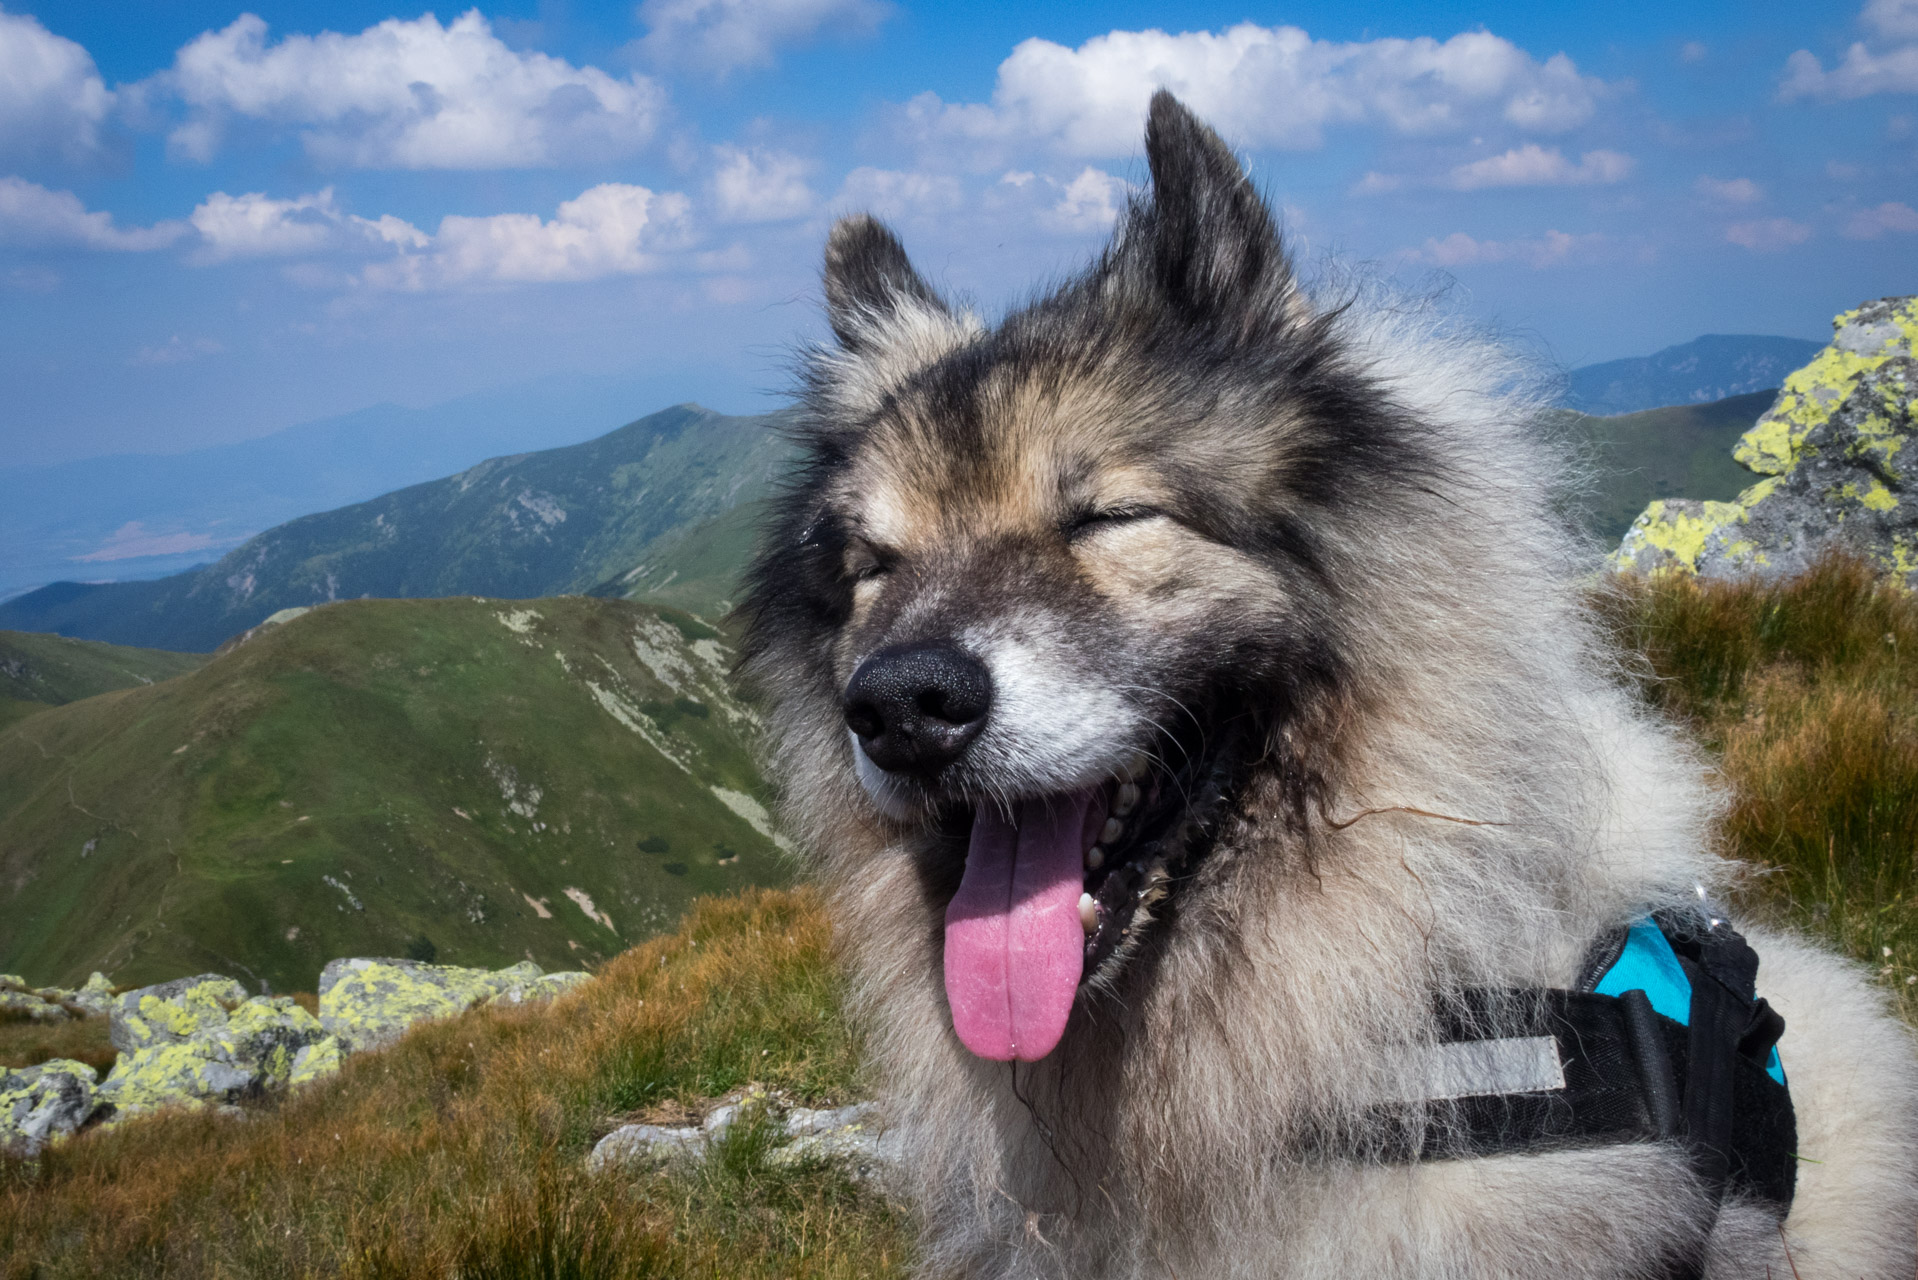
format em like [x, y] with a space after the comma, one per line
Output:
[1183, 696]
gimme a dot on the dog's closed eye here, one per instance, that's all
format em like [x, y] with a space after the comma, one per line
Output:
[1090, 520]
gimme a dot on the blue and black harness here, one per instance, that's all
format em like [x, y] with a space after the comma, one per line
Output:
[1664, 1039]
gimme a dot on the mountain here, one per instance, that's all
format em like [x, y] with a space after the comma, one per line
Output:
[132, 516]
[1714, 367]
[39, 671]
[662, 509]
[1661, 453]
[480, 781]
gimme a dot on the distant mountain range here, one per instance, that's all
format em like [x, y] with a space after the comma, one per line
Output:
[477, 781]
[140, 516]
[40, 671]
[1714, 367]
[660, 509]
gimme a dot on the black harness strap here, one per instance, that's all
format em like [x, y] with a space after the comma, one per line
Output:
[1630, 1074]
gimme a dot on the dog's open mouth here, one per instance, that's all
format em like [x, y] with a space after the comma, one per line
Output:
[1055, 890]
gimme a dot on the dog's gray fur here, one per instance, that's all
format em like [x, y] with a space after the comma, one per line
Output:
[1346, 530]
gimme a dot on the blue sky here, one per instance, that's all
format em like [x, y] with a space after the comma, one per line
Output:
[217, 221]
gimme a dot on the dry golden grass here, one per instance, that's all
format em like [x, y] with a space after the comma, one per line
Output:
[26, 1044]
[1808, 692]
[460, 1151]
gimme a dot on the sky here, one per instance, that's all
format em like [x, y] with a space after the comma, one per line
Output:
[217, 221]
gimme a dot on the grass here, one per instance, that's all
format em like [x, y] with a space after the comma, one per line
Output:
[1807, 692]
[25, 1043]
[460, 1151]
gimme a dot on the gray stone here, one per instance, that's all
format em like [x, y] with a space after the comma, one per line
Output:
[1837, 457]
[173, 1012]
[44, 1104]
[371, 1002]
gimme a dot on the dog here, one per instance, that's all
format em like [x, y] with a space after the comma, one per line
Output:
[1185, 695]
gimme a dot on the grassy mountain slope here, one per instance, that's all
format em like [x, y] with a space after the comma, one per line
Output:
[38, 671]
[553, 779]
[537, 524]
[1682, 450]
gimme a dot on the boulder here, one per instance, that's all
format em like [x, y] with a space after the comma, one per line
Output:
[258, 1045]
[94, 1000]
[371, 1002]
[1837, 461]
[44, 1104]
[170, 1013]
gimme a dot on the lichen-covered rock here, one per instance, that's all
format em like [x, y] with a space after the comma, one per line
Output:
[32, 1006]
[371, 1002]
[254, 1047]
[173, 1012]
[94, 1000]
[44, 1104]
[316, 1060]
[13, 982]
[1838, 451]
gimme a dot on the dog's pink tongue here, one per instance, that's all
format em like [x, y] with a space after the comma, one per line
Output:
[1014, 944]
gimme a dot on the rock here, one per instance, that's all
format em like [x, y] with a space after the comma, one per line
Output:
[847, 1136]
[13, 982]
[259, 1045]
[644, 1145]
[30, 1005]
[1839, 462]
[371, 1002]
[321, 1058]
[95, 999]
[44, 1104]
[173, 1012]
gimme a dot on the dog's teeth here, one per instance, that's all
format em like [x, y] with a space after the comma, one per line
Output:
[1088, 913]
[1126, 800]
[1110, 833]
[1095, 858]
[1134, 768]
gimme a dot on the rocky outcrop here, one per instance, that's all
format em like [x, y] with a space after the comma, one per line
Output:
[1839, 463]
[369, 1003]
[203, 1041]
[43, 1104]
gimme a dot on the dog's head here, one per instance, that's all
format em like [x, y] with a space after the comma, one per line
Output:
[1068, 587]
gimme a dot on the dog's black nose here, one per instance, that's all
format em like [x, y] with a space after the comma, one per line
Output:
[916, 707]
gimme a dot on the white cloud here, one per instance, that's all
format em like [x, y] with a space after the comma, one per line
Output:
[723, 35]
[256, 225]
[891, 193]
[1768, 235]
[1729, 190]
[1891, 216]
[1693, 51]
[409, 95]
[1892, 19]
[1263, 86]
[610, 229]
[760, 186]
[1864, 71]
[1554, 248]
[1090, 202]
[1534, 166]
[33, 217]
[52, 100]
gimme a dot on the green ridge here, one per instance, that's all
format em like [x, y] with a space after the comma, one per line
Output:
[383, 777]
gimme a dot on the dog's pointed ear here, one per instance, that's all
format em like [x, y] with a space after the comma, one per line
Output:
[1209, 241]
[868, 281]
